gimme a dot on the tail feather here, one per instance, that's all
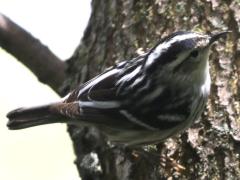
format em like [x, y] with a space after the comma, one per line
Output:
[33, 116]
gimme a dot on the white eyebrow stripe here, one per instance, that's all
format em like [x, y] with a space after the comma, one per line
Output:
[163, 46]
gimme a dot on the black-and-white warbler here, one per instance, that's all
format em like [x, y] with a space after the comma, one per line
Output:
[141, 101]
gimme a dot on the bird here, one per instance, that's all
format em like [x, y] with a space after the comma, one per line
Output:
[140, 101]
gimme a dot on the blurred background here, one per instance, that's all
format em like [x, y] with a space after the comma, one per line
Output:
[43, 152]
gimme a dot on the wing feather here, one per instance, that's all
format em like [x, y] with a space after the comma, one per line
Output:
[103, 100]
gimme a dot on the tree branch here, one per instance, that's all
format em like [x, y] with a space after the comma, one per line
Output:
[48, 68]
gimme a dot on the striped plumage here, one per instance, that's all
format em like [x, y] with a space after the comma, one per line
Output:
[141, 101]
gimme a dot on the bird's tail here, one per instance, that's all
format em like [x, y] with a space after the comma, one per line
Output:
[33, 116]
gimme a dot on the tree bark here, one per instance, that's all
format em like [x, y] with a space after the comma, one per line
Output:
[121, 29]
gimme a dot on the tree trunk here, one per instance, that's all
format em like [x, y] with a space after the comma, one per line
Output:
[121, 29]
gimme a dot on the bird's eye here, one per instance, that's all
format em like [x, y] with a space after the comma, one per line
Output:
[194, 53]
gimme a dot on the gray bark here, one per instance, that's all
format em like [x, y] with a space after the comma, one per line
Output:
[118, 30]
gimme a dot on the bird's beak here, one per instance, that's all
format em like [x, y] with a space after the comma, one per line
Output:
[215, 37]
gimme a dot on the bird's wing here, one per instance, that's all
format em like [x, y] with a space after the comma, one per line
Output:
[110, 99]
[100, 100]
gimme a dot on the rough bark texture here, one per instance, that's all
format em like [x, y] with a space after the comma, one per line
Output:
[120, 29]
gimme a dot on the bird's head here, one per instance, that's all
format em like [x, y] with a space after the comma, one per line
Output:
[184, 54]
